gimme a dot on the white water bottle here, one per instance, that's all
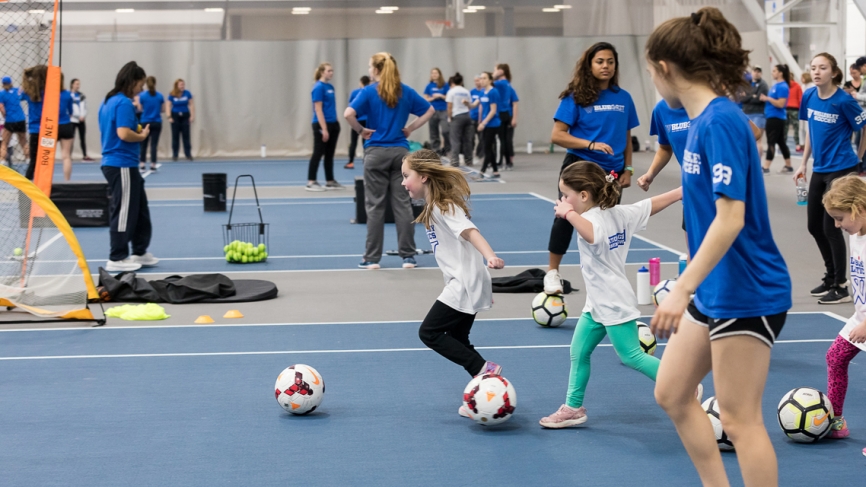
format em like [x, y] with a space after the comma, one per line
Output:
[643, 286]
[264, 151]
[529, 147]
[648, 145]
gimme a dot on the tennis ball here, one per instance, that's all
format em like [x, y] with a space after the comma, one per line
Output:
[244, 259]
[261, 247]
[18, 251]
[226, 248]
[228, 257]
[264, 255]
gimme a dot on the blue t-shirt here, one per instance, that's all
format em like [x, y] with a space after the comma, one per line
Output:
[779, 90]
[514, 99]
[116, 112]
[151, 106]
[65, 114]
[34, 113]
[831, 123]
[475, 93]
[503, 87]
[488, 99]
[388, 122]
[180, 104]
[354, 94]
[11, 100]
[671, 126]
[751, 279]
[439, 104]
[324, 92]
[607, 120]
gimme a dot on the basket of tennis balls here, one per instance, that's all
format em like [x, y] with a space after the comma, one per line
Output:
[238, 252]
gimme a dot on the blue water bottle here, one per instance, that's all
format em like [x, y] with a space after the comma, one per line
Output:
[684, 260]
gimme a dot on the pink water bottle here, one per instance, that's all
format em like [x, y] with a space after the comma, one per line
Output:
[655, 265]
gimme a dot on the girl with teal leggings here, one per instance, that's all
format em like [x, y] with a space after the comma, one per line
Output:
[604, 232]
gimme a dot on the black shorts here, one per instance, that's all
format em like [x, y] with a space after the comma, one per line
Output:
[16, 127]
[66, 131]
[764, 328]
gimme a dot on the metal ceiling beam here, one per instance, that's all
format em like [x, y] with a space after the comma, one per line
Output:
[788, 6]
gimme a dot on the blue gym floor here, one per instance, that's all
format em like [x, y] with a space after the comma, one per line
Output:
[194, 405]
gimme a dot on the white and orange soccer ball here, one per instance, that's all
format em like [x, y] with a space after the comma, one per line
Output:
[300, 389]
[490, 399]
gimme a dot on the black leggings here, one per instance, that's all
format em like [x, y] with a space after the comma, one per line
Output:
[353, 141]
[830, 240]
[489, 140]
[180, 130]
[326, 149]
[506, 135]
[777, 135]
[82, 132]
[34, 149]
[152, 140]
[446, 331]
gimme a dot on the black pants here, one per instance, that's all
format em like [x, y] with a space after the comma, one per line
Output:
[152, 140]
[479, 144]
[34, 149]
[777, 135]
[830, 240]
[82, 132]
[490, 135]
[321, 148]
[506, 142]
[128, 212]
[446, 331]
[180, 130]
[353, 141]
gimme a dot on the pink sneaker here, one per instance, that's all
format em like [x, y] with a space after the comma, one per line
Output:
[490, 368]
[839, 429]
[565, 417]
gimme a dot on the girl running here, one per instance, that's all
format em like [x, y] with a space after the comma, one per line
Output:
[15, 121]
[387, 103]
[594, 122]
[502, 83]
[79, 114]
[152, 106]
[589, 204]
[33, 88]
[434, 93]
[846, 203]
[489, 124]
[462, 129]
[181, 115]
[741, 284]
[353, 142]
[774, 111]
[65, 129]
[831, 116]
[460, 251]
[326, 129]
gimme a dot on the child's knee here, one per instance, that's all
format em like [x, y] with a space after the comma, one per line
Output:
[427, 337]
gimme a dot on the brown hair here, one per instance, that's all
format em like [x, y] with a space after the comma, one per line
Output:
[440, 82]
[446, 186]
[705, 47]
[837, 72]
[583, 85]
[848, 194]
[389, 89]
[34, 81]
[320, 71]
[175, 91]
[506, 70]
[590, 177]
[150, 81]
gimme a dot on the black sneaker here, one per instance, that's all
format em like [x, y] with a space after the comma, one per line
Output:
[821, 290]
[836, 295]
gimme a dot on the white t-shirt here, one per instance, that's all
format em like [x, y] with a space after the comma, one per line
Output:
[455, 96]
[857, 286]
[468, 287]
[609, 296]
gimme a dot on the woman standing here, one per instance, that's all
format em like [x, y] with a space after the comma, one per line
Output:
[474, 114]
[774, 111]
[831, 116]
[65, 129]
[353, 141]
[326, 129]
[14, 120]
[387, 103]
[462, 129]
[33, 87]
[594, 122]
[152, 105]
[489, 123]
[79, 112]
[181, 115]
[507, 114]
[435, 93]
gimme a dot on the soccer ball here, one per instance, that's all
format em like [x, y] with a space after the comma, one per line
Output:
[805, 414]
[549, 310]
[711, 407]
[490, 399]
[647, 339]
[300, 389]
[662, 289]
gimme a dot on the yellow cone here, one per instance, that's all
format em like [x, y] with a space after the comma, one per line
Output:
[204, 319]
[233, 314]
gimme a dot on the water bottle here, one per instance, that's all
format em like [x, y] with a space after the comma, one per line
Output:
[647, 145]
[264, 151]
[802, 192]
[643, 286]
[655, 271]
[529, 147]
[684, 261]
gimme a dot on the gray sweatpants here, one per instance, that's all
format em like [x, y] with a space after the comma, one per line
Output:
[382, 178]
[462, 139]
[439, 123]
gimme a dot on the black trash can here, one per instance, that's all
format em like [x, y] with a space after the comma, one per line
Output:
[361, 210]
[214, 191]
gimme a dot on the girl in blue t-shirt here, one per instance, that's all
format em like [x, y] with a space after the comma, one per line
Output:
[181, 114]
[741, 286]
[475, 115]
[434, 93]
[777, 118]
[489, 123]
[15, 121]
[65, 129]
[353, 137]
[326, 129]
[831, 116]
[594, 122]
[507, 114]
[152, 106]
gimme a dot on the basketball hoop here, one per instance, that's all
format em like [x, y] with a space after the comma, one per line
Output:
[437, 26]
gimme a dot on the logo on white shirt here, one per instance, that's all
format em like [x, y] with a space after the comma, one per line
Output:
[691, 163]
[431, 236]
[822, 116]
[858, 281]
[722, 174]
[609, 108]
[678, 127]
[616, 240]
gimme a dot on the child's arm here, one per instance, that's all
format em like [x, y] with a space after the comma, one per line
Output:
[662, 201]
[582, 225]
[858, 333]
[473, 236]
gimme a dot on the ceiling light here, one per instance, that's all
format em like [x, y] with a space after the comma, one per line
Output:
[37, 11]
[124, 10]
[301, 9]
[300, 12]
[476, 7]
[562, 7]
[380, 11]
[550, 10]
[214, 9]
[393, 9]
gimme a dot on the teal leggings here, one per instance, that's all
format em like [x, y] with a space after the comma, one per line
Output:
[587, 335]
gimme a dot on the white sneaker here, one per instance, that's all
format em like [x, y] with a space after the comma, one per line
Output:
[553, 282]
[146, 260]
[127, 264]
[699, 392]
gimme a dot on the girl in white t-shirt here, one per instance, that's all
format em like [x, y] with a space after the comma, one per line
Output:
[460, 251]
[462, 129]
[604, 233]
[845, 201]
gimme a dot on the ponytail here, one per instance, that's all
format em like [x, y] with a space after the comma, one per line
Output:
[320, 71]
[389, 89]
[590, 177]
[34, 82]
[151, 85]
[786, 73]
[130, 74]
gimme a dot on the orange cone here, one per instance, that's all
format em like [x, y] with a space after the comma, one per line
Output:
[233, 314]
[203, 320]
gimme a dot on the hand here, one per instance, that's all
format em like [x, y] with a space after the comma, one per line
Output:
[495, 263]
[145, 132]
[625, 180]
[325, 135]
[481, 127]
[800, 173]
[764, 97]
[407, 131]
[667, 317]
[170, 120]
[562, 208]
[191, 118]
[80, 119]
[602, 147]
[644, 181]
[466, 102]
[858, 334]
[367, 133]
[513, 122]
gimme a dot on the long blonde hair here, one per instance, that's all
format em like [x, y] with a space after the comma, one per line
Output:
[320, 71]
[446, 186]
[390, 90]
[175, 91]
[848, 194]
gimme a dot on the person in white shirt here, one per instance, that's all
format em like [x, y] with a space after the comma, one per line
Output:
[604, 233]
[458, 99]
[460, 252]
[79, 113]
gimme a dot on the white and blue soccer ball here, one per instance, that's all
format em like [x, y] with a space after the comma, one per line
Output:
[648, 341]
[662, 289]
[549, 310]
[711, 407]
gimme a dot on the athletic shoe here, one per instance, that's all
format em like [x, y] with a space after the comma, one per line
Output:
[350, 165]
[565, 417]
[836, 295]
[864, 452]
[334, 185]
[127, 264]
[368, 265]
[553, 282]
[409, 263]
[496, 175]
[463, 411]
[153, 168]
[699, 392]
[839, 428]
[315, 186]
[821, 290]
[87, 159]
[509, 167]
[146, 260]
[766, 170]
[490, 368]
[786, 170]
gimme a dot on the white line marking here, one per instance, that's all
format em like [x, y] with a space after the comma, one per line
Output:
[346, 202]
[834, 315]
